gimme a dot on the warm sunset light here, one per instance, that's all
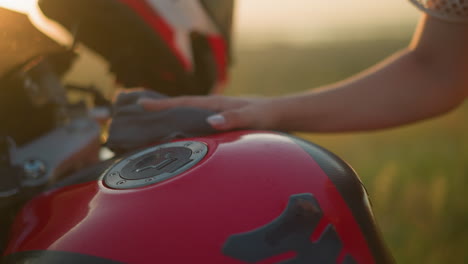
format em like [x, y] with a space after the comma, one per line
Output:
[22, 6]
[106, 156]
[42, 23]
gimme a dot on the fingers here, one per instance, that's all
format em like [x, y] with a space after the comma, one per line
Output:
[218, 122]
[229, 120]
[234, 113]
[214, 103]
[191, 101]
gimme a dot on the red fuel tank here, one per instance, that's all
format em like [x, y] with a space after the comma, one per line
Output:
[237, 197]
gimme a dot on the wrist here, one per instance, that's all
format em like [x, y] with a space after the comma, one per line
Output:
[276, 113]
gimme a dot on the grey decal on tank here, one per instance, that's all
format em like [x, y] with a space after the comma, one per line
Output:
[291, 231]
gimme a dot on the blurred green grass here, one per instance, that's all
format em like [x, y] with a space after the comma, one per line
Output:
[416, 175]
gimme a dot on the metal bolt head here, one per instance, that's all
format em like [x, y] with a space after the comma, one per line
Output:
[34, 169]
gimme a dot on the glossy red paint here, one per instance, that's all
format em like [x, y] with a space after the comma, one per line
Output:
[244, 182]
[219, 47]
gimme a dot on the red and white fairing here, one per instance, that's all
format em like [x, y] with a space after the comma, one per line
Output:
[175, 21]
[181, 18]
[174, 47]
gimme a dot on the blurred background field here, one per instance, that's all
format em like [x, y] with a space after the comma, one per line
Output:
[416, 175]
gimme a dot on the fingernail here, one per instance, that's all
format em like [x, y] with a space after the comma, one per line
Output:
[216, 120]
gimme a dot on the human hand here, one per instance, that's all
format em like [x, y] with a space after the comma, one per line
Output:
[132, 127]
[233, 112]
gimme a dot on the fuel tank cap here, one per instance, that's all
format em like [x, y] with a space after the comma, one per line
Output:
[155, 164]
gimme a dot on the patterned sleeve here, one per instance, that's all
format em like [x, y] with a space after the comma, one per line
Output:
[448, 10]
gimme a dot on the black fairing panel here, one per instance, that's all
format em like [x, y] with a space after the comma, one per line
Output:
[353, 192]
[222, 12]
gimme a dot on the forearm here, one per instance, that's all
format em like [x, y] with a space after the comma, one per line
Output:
[427, 79]
[403, 89]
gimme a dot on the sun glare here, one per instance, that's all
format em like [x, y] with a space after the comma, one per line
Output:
[22, 6]
[40, 21]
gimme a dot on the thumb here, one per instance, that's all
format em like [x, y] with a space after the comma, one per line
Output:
[229, 120]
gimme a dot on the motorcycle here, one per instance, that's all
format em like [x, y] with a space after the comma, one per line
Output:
[188, 197]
